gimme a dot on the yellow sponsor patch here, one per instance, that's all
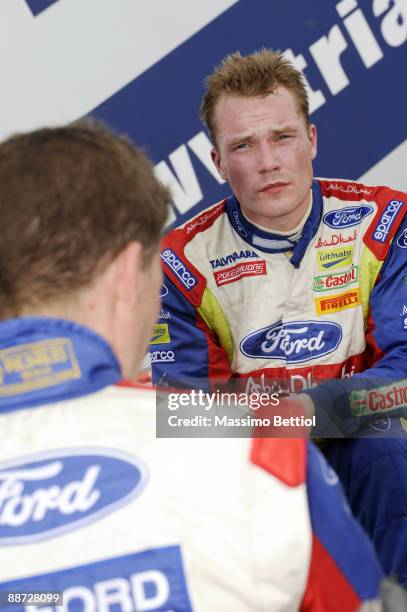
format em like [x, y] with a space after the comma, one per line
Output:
[161, 334]
[331, 259]
[340, 301]
[37, 365]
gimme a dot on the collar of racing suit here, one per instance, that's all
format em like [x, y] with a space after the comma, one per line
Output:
[271, 242]
[44, 360]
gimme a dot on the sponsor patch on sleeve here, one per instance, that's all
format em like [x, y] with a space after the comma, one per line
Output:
[384, 226]
[379, 400]
[160, 334]
[386, 221]
[179, 268]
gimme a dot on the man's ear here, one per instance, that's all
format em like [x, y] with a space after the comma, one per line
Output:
[312, 135]
[128, 267]
[218, 163]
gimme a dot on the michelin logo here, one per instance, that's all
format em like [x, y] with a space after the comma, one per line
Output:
[147, 580]
[179, 269]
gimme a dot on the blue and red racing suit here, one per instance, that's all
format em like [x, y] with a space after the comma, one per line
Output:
[325, 313]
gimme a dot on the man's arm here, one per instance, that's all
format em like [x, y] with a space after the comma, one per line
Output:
[347, 404]
[184, 350]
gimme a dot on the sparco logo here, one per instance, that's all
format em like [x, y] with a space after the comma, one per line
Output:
[386, 221]
[347, 217]
[161, 356]
[179, 268]
[56, 492]
[294, 342]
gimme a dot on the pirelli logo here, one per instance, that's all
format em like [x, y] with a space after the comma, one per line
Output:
[341, 301]
[235, 273]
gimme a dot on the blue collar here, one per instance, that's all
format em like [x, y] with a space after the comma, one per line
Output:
[269, 242]
[48, 360]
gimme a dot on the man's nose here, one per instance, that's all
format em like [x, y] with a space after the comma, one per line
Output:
[268, 157]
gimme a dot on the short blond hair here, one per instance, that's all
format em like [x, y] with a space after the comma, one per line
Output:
[254, 75]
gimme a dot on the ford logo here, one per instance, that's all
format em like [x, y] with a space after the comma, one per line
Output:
[294, 342]
[47, 494]
[402, 240]
[346, 217]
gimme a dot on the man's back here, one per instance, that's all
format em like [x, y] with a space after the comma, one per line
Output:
[95, 506]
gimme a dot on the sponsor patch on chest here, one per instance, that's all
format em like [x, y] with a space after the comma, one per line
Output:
[330, 259]
[229, 259]
[340, 301]
[336, 280]
[239, 271]
[293, 342]
[346, 217]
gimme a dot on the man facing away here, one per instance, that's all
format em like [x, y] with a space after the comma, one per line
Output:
[92, 504]
[297, 285]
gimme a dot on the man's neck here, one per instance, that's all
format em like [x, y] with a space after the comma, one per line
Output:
[284, 226]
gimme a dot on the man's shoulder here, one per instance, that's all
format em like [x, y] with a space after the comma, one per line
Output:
[354, 191]
[186, 247]
[387, 206]
[198, 224]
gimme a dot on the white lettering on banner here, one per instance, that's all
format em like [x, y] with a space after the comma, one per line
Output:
[326, 52]
[99, 70]
[360, 33]
[202, 146]
[394, 24]
[315, 97]
[17, 507]
[185, 190]
[184, 186]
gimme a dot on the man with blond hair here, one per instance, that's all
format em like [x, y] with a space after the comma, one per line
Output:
[297, 285]
[95, 512]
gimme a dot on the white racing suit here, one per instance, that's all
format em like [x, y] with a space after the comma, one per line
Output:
[93, 505]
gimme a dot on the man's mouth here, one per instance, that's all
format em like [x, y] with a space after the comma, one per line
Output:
[274, 187]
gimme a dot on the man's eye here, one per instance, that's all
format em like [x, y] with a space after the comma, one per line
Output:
[284, 136]
[241, 145]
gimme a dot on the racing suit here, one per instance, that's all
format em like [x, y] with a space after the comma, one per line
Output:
[93, 505]
[323, 313]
